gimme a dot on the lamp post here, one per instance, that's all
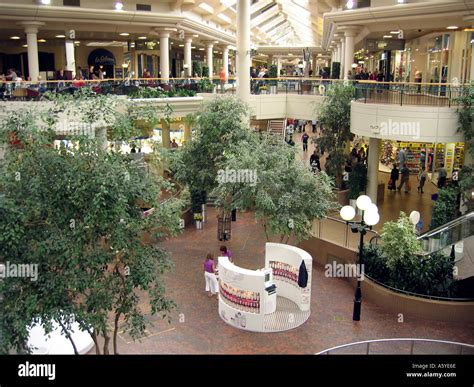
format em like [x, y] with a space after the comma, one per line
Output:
[370, 217]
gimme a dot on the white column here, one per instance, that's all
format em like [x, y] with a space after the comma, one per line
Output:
[31, 30]
[343, 51]
[278, 67]
[339, 56]
[225, 61]
[210, 46]
[243, 50]
[187, 57]
[164, 54]
[373, 168]
[349, 50]
[70, 58]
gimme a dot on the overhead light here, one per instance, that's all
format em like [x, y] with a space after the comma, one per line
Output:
[25, 45]
[60, 36]
[41, 40]
[195, 36]
[142, 37]
[118, 5]
[201, 49]
[228, 3]
[45, 2]
[350, 4]
[15, 37]
[77, 42]
[193, 47]
[124, 34]
[387, 36]
[401, 1]
[216, 41]
[225, 18]
[216, 52]
[395, 32]
[181, 45]
[172, 43]
[206, 7]
[290, 54]
[452, 28]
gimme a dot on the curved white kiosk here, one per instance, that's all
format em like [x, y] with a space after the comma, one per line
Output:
[273, 299]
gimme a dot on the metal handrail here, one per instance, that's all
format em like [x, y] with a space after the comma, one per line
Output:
[446, 226]
[411, 340]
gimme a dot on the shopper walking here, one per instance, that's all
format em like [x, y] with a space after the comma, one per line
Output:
[314, 124]
[210, 275]
[405, 179]
[222, 76]
[314, 162]
[225, 252]
[394, 175]
[442, 176]
[421, 179]
[402, 157]
[305, 139]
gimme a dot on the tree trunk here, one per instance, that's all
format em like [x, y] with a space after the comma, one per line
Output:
[94, 339]
[117, 317]
[68, 335]
[106, 342]
[265, 229]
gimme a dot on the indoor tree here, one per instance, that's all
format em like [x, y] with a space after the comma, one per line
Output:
[75, 212]
[285, 195]
[335, 116]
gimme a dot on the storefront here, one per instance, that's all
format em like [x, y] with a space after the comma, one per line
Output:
[429, 155]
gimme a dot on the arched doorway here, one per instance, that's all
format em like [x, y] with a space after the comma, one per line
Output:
[104, 59]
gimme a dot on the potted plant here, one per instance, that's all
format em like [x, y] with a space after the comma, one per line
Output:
[273, 74]
[357, 182]
[197, 202]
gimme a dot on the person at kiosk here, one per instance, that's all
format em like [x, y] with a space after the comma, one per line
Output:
[210, 275]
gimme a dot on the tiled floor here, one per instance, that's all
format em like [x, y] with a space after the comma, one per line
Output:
[196, 327]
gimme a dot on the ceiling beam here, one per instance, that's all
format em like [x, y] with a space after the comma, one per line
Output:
[264, 16]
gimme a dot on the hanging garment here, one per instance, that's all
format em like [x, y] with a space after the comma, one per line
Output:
[303, 276]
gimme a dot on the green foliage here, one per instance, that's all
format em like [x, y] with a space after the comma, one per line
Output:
[399, 242]
[431, 275]
[445, 207]
[197, 70]
[273, 73]
[357, 180]
[220, 122]
[465, 112]
[335, 117]
[148, 92]
[275, 194]
[205, 71]
[205, 85]
[76, 213]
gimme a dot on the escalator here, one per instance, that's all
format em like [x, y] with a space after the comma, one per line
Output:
[447, 235]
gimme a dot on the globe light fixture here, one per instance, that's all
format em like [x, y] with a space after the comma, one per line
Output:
[372, 208]
[363, 202]
[371, 218]
[350, 4]
[415, 217]
[118, 5]
[347, 213]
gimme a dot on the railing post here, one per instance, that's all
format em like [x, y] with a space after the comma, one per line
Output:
[368, 348]
[346, 236]
[401, 96]
[412, 345]
[449, 96]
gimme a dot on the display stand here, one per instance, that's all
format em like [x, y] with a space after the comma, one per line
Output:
[268, 299]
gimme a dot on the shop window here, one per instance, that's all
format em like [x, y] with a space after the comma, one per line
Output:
[72, 3]
[143, 7]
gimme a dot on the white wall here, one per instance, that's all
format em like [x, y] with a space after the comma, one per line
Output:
[428, 123]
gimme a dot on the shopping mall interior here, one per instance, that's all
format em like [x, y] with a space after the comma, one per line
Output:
[237, 177]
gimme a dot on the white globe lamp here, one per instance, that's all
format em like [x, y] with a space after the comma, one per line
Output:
[415, 217]
[372, 208]
[363, 202]
[347, 213]
[371, 218]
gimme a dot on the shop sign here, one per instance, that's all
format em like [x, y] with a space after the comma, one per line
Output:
[101, 56]
[373, 45]
[449, 157]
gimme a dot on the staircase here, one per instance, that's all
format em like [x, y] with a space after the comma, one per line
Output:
[277, 127]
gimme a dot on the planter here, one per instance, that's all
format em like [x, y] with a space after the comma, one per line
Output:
[342, 197]
[273, 89]
[204, 213]
[198, 224]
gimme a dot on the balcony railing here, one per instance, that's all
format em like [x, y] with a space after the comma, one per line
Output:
[401, 346]
[429, 94]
